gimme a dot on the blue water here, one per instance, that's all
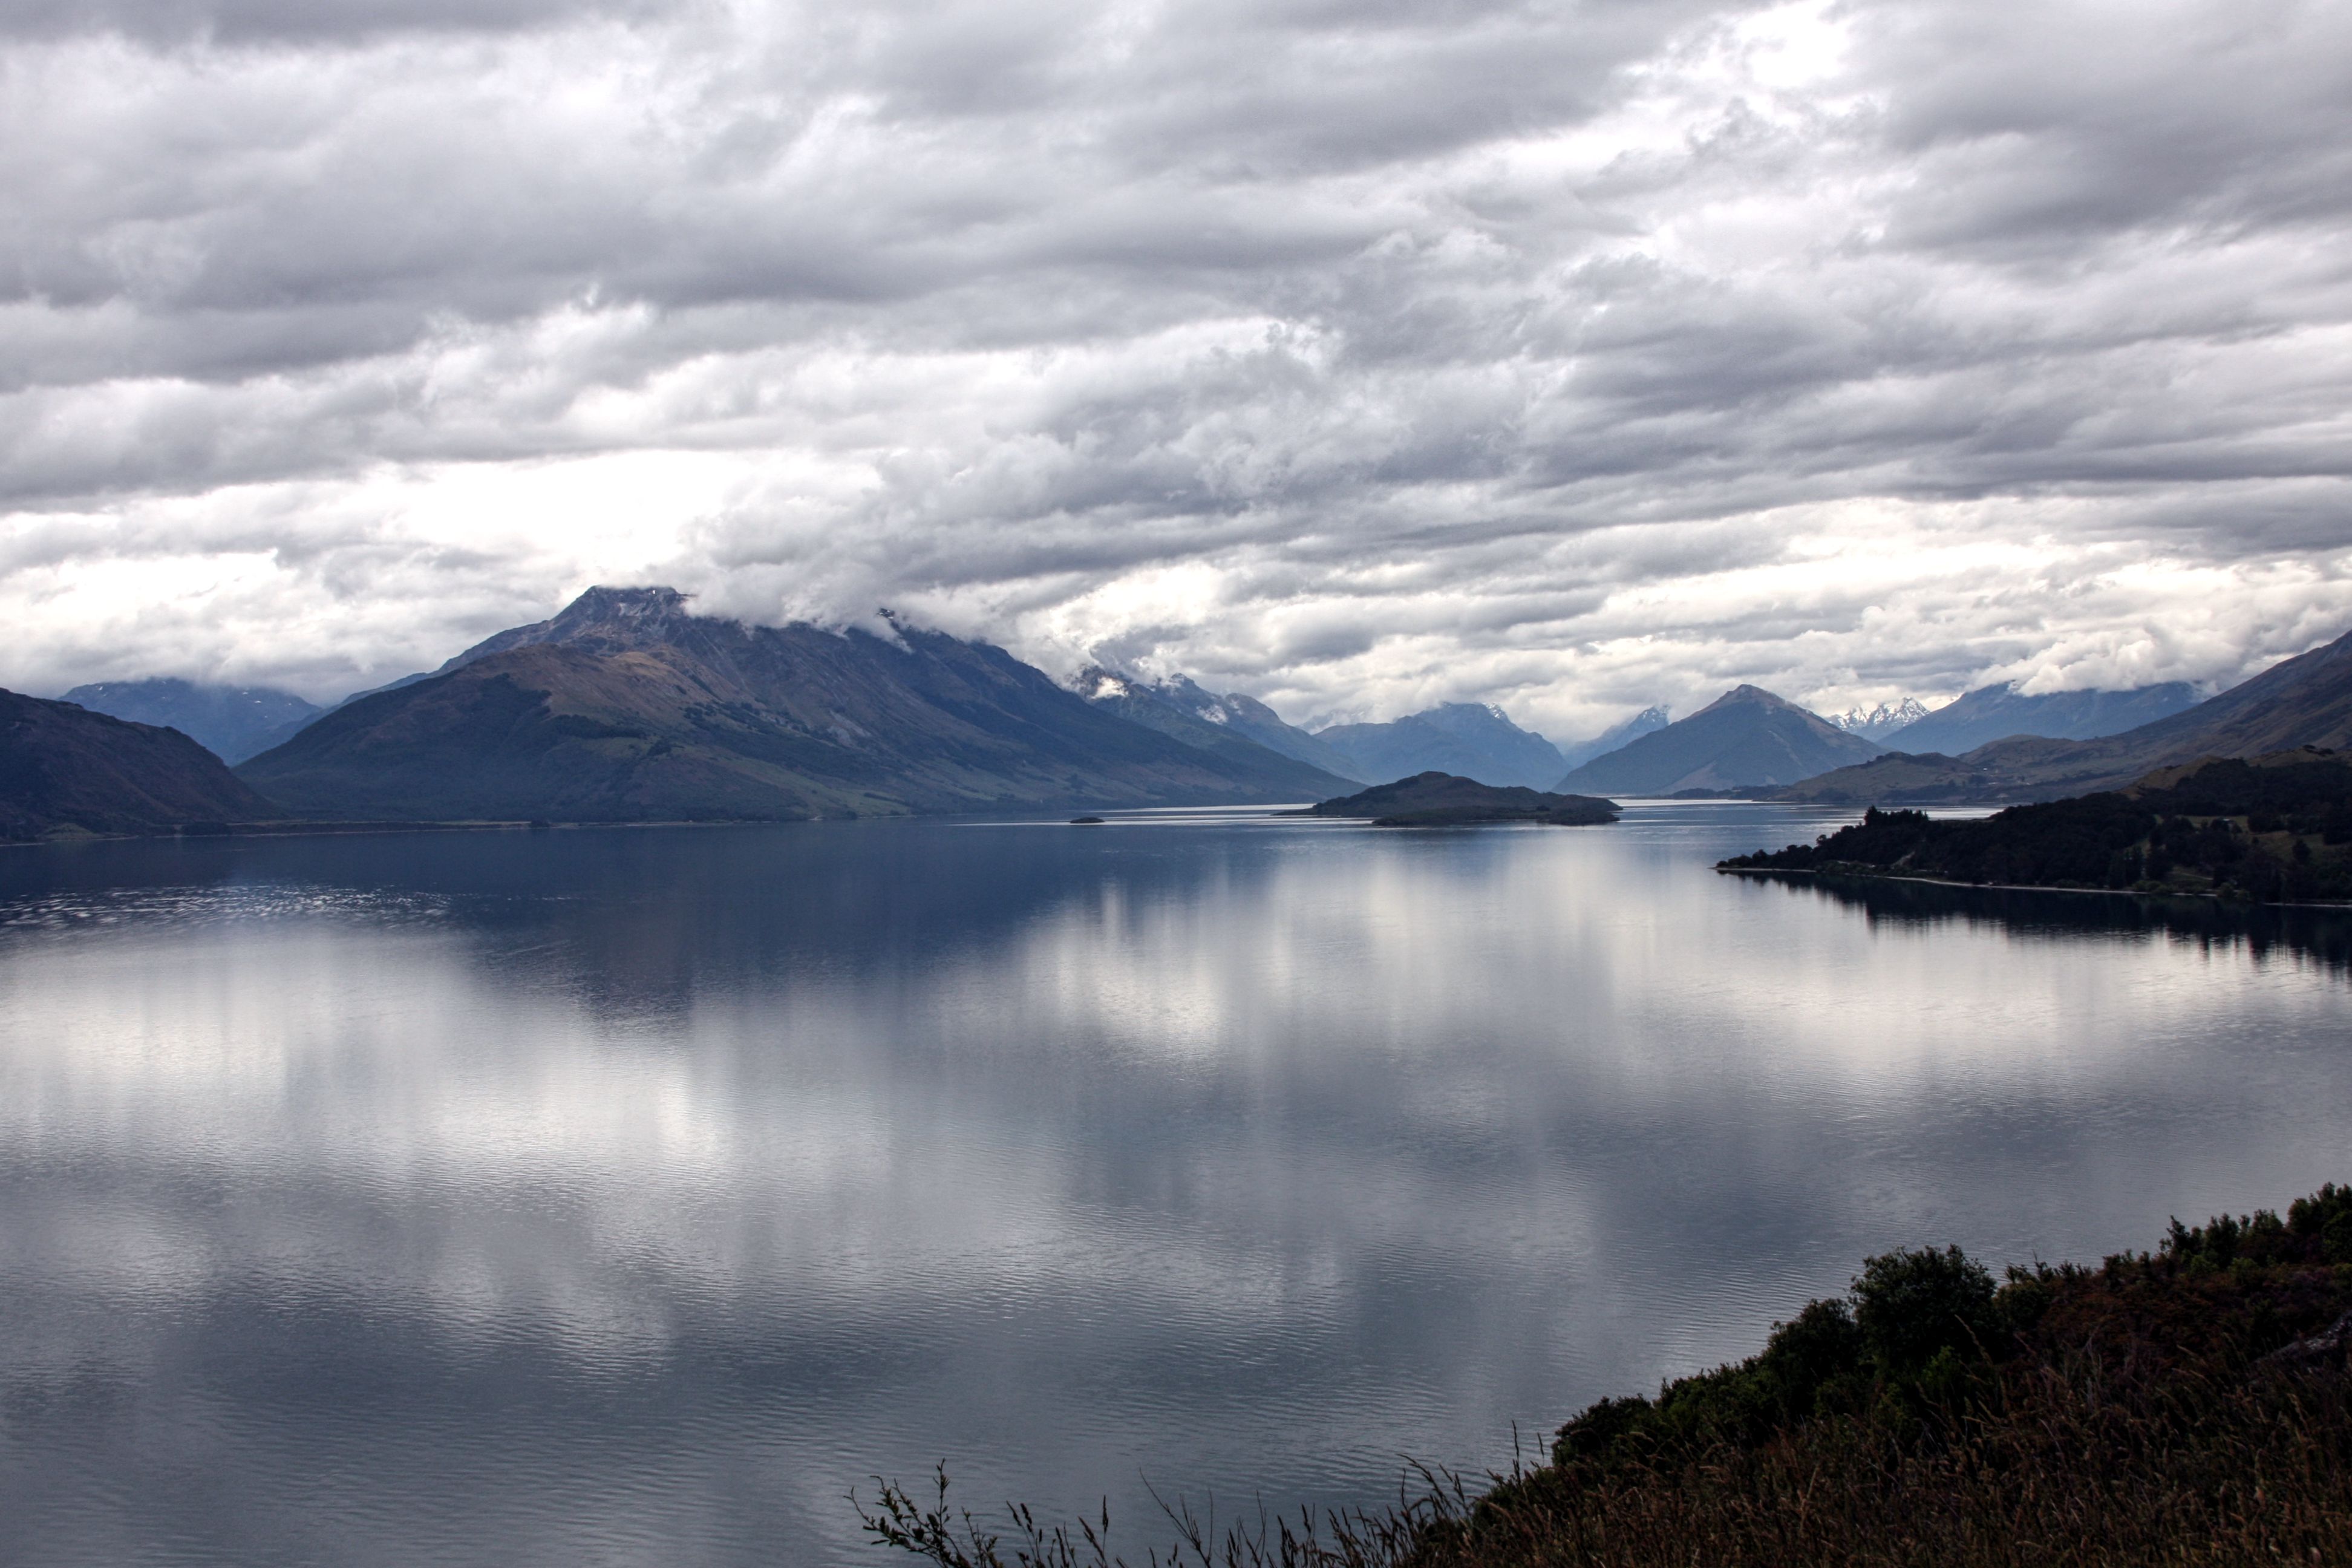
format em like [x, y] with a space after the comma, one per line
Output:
[629, 1196]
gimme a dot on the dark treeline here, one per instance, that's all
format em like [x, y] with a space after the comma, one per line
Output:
[2273, 832]
[2189, 1406]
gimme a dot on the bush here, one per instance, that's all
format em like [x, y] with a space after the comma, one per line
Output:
[1911, 1305]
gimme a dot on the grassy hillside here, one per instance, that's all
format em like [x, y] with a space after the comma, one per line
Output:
[2189, 1406]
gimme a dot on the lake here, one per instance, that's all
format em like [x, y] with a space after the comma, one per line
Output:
[628, 1197]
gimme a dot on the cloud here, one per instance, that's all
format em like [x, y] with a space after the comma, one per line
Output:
[1363, 357]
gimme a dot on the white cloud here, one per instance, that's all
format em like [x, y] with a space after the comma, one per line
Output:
[1571, 358]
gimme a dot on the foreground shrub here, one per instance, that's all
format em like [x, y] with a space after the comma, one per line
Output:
[2189, 1406]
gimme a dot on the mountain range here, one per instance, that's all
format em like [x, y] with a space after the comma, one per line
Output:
[1467, 740]
[233, 722]
[1879, 723]
[628, 706]
[2305, 700]
[1746, 738]
[1996, 712]
[1181, 707]
[1616, 737]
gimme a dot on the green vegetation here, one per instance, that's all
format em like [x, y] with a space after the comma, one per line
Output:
[2277, 829]
[2188, 1405]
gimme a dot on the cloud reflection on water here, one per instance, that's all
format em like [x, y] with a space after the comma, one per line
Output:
[634, 1195]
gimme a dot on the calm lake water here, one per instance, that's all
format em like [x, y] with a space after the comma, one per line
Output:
[628, 1197]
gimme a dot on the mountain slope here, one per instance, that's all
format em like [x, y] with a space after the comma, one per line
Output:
[1467, 739]
[233, 722]
[2305, 700]
[64, 768]
[1747, 737]
[1996, 712]
[1245, 716]
[626, 707]
[1183, 712]
[1616, 737]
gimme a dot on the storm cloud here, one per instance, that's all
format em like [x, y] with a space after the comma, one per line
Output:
[1574, 356]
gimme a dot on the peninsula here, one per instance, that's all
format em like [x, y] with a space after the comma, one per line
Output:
[2274, 828]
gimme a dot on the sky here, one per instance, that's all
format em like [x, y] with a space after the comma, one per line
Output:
[1572, 357]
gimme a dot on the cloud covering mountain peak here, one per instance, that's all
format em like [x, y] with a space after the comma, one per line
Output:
[1365, 359]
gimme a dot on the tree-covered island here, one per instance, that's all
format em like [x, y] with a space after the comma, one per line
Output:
[1448, 800]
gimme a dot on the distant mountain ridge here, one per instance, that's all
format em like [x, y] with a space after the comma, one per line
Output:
[1996, 712]
[1182, 707]
[65, 769]
[2305, 700]
[1617, 736]
[1469, 740]
[1877, 724]
[627, 707]
[233, 722]
[1747, 738]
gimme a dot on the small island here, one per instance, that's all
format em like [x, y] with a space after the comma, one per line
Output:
[1448, 800]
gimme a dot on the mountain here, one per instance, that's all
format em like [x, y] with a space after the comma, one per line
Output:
[1747, 737]
[1616, 737]
[1877, 724]
[234, 722]
[1468, 738]
[64, 769]
[1996, 712]
[1442, 800]
[1183, 709]
[2305, 700]
[626, 707]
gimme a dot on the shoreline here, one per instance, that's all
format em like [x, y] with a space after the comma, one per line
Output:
[1861, 875]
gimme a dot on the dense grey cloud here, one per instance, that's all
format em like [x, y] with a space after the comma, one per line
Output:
[1572, 356]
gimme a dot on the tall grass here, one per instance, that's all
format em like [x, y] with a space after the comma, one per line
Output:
[2189, 1406]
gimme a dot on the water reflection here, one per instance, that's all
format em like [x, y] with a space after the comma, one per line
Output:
[628, 1197]
[2303, 934]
